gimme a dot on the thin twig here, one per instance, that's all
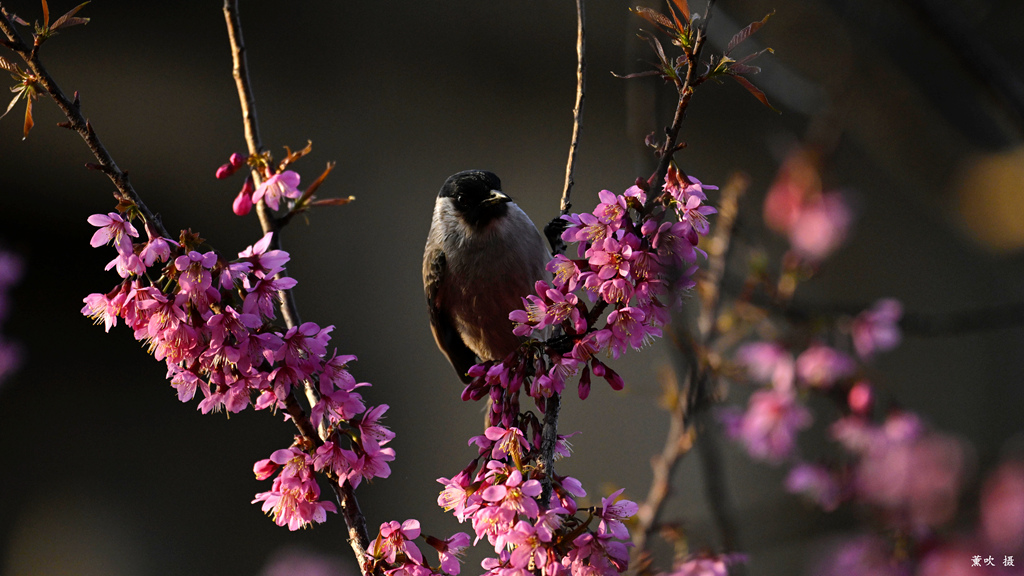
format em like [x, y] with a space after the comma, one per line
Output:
[358, 537]
[577, 111]
[549, 431]
[240, 72]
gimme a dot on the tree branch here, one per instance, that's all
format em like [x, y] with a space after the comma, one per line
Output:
[668, 149]
[687, 401]
[549, 430]
[358, 537]
[72, 110]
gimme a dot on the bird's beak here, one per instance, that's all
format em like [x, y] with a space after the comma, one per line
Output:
[496, 197]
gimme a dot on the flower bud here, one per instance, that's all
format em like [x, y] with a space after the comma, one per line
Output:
[265, 469]
[225, 171]
[234, 163]
[243, 202]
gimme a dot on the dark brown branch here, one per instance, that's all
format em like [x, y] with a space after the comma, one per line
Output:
[685, 88]
[76, 121]
[358, 537]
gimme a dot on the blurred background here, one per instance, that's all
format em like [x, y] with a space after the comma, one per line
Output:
[105, 472]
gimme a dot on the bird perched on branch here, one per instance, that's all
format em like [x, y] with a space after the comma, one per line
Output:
[483, 255]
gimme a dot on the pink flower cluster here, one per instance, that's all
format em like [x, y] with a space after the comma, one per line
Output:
[502, 502]
[212, 322]
[910, 474]
[996, 540]
[815, 221]
[395, 548]
[775, 414]
[632, 262]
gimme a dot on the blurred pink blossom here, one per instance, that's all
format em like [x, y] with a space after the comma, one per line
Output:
[1002, 507]
[822, 366]
[769, 426]
[877, 328]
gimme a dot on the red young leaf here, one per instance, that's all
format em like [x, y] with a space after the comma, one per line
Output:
[12, 16]
[678, 27]
[739, 68]
[753, 90]
[654, 17]
[316, 184]
[28, 117]
[753, 55]
[293, 156]
[684, 8]
[69, 19]
[46, 14]
[747, 32]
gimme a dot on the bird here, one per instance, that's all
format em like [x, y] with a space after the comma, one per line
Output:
[482, 257]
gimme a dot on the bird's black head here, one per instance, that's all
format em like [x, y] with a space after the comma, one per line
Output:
[477, 196]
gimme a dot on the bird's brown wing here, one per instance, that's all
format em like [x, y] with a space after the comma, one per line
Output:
[445, 333]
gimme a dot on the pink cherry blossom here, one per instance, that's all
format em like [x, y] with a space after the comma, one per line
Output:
[515, 494]
[282, 185]
[1002, 507]
[372, 433]
[395, 539]
[242, 203]
[612, 514]
[768, 362]
[821, 227]
[450, 551]
[113, 228]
